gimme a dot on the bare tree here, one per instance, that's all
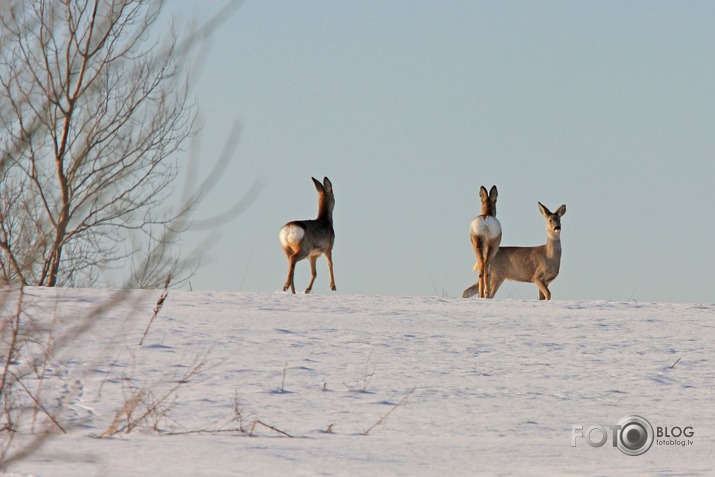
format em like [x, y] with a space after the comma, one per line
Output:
[94, 108]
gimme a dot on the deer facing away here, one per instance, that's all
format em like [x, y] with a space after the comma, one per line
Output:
[538, 265]
[311, 238]
[485, 234]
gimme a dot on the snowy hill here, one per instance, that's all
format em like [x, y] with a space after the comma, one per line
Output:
[275, 384]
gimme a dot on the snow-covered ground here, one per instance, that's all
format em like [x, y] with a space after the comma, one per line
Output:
[465, 387]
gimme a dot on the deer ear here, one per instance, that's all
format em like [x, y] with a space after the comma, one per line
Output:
[318, 186]
[483, 193]
[561, 210]
[544, 211]
[493, 193]
[327, 184]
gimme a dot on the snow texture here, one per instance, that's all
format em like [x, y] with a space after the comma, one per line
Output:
[469, 387]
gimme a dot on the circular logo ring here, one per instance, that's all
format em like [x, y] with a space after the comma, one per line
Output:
[635, 435]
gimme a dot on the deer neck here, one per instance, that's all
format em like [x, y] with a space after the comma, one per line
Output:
[325, 209]
[488, 210]
[553, 246]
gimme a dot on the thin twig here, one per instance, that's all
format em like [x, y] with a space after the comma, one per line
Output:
[368, 376]
[39, 405]
[283, 381]
[253, 426]
[203, 431]
[152, 406]
[676, 362]
[386, 415]
[12, 347]
[157, 308]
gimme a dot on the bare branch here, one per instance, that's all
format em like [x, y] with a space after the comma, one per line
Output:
[97, 108]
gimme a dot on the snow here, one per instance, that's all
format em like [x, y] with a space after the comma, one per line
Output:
[468, 387]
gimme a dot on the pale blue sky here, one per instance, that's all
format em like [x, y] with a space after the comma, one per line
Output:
[410, 106]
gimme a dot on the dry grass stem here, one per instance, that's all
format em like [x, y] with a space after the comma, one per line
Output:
[157, 308]
[143, 407]
[258, 422]
[387, 414]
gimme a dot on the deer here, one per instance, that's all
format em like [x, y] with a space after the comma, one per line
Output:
[538, 265]
[485, 235]
[311, 238]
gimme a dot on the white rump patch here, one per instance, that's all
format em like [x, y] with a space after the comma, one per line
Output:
[291, 234]
[487, 227]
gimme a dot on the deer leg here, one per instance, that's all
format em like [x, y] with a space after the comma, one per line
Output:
[491, 253]
[471, 291]
[544, 293]
[291, 270]
[313, 273]
[487, 271]
[481, 265]
[475, 246]
[475, 289]
[495, 281]
[329, 259]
